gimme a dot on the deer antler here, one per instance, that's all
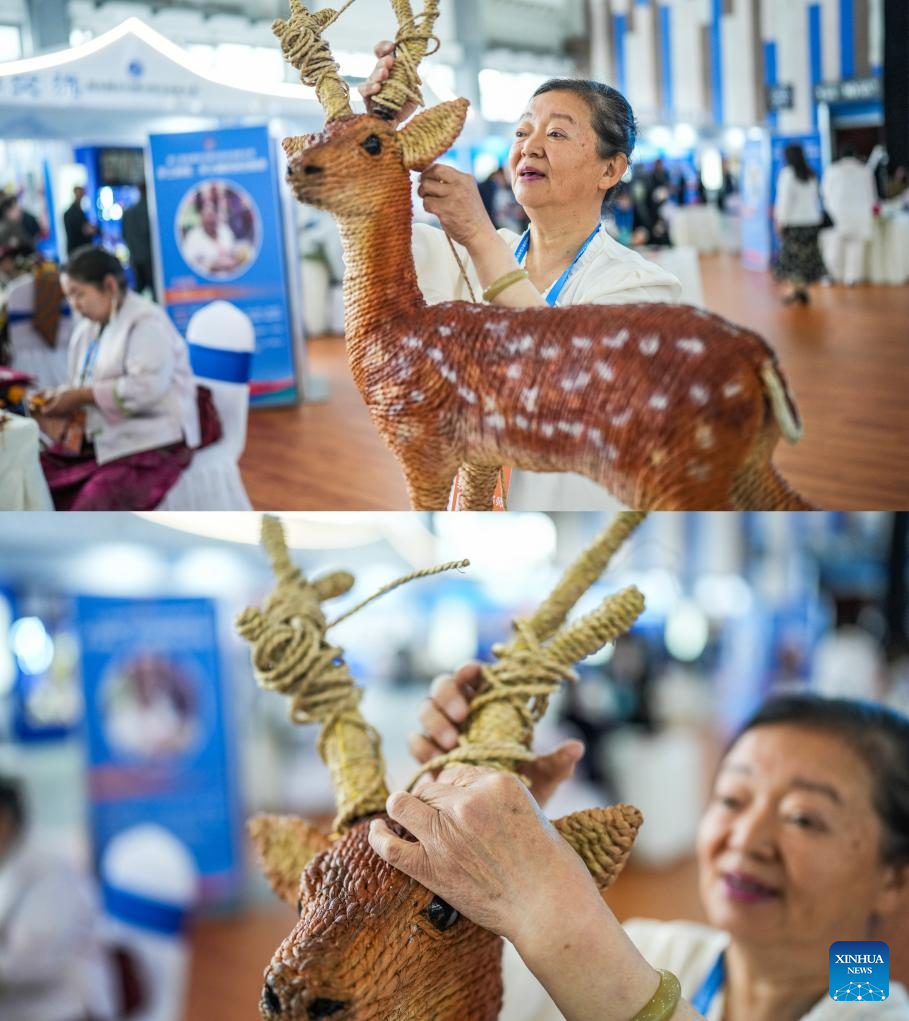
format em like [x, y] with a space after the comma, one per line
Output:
[290, 655]
[304, 49]
[517, 688]
[411, 46]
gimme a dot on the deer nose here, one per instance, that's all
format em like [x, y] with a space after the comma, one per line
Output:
[324, 1008]
[270, 999]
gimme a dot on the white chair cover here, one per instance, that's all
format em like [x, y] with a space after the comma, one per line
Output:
[30, 353]
[221, 341]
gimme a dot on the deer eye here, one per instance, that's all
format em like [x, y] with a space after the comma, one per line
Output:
[443, 916]
[373, 145]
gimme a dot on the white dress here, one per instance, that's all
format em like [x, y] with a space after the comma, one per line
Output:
[689, 951]
[607, 273]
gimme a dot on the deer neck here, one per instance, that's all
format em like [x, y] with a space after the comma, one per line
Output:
[380, 280]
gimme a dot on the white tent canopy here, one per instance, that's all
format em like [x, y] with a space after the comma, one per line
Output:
[130, 82]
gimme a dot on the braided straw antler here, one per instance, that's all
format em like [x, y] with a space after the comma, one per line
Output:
[304, 49]
[290, 655]
[411, 46]
[516, 689]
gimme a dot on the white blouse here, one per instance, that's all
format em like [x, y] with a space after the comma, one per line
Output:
[798, 203]
[689, 951]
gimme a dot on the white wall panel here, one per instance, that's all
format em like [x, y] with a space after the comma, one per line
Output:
[830, 35]
[687, 61]
[641, 64]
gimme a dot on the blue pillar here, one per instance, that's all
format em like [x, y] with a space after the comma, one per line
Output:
[621, 30]
[815, 51]
[716, 59]
[665, 29]
[847, 39]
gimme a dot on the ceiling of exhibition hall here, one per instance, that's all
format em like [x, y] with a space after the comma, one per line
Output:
[535, 26]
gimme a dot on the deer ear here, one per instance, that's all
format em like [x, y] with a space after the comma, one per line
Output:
[286, 845]
[603, 838]
[432, 132]
[334, 584]
[297, 143]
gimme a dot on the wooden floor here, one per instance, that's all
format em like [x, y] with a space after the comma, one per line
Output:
[846, 358]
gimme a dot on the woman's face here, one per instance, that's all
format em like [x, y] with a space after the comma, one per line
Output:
[554, 160]
[89, 300]
[789, 848]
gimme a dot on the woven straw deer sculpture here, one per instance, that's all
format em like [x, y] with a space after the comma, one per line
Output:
[665, 406]
[371, 944]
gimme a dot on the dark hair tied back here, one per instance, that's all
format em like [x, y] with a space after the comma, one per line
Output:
[611, 117]
[90, 265]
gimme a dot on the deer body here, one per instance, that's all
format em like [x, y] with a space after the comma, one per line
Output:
[665, 406]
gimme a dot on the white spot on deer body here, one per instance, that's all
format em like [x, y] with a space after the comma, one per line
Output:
[605, 372]
[578, 382]
[581, 343]
[623, 418]
[467, 394]
[499, 329]
[697, 470]
[514, 371]
[549, 352]
[596, 437]
[617, 340]
[444, 331]
[691, 344]
[495, 420]
[417, 395]
[731, 389]
[521, 422]
[520, 346]
[547, 429]
[704, 437]
[612, 452]
[649, 346]
[489, 403]
[435, 354]
[571, 428]
[447, 372]
[529, 397]
[699, 394]
[413, 342]
[659, 402]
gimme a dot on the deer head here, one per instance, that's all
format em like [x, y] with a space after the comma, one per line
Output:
[357, 147]
[371, 944]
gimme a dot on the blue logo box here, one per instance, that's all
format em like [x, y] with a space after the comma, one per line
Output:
[859, 970]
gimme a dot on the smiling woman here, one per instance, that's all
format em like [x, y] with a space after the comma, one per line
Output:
[570, 151]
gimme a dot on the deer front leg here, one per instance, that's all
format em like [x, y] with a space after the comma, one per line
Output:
[429, 483]
[478, 485]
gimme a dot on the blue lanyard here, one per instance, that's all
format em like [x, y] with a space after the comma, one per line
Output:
[552, 295]
[712, 984]
[88, 363]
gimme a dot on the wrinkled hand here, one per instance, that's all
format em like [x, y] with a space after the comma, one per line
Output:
[65, 402]
[385, 51]
[444, 713]
[483, 846]
[454, 198]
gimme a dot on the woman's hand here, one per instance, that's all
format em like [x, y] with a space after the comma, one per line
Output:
[444, 714]
[65, 402]
[483, 845]
[454, 198]
[385, 51]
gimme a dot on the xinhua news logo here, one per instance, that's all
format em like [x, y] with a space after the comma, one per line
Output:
[859, 970]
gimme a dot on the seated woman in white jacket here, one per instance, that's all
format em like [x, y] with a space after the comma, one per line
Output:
[804, 842]
[570, 151]
[131, 400]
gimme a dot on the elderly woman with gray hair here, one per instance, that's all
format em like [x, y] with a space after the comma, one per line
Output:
[804, 843]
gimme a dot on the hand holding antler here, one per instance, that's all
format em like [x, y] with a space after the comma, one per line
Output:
[385, 52]
[483, 845]
[444, 714]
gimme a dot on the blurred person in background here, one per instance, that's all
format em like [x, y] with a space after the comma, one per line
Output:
[52, 965]
[17, 226]
[849, 195]
[128, 418]
[137, 237]
[804, 842]
[79, 229]
[797, 216]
